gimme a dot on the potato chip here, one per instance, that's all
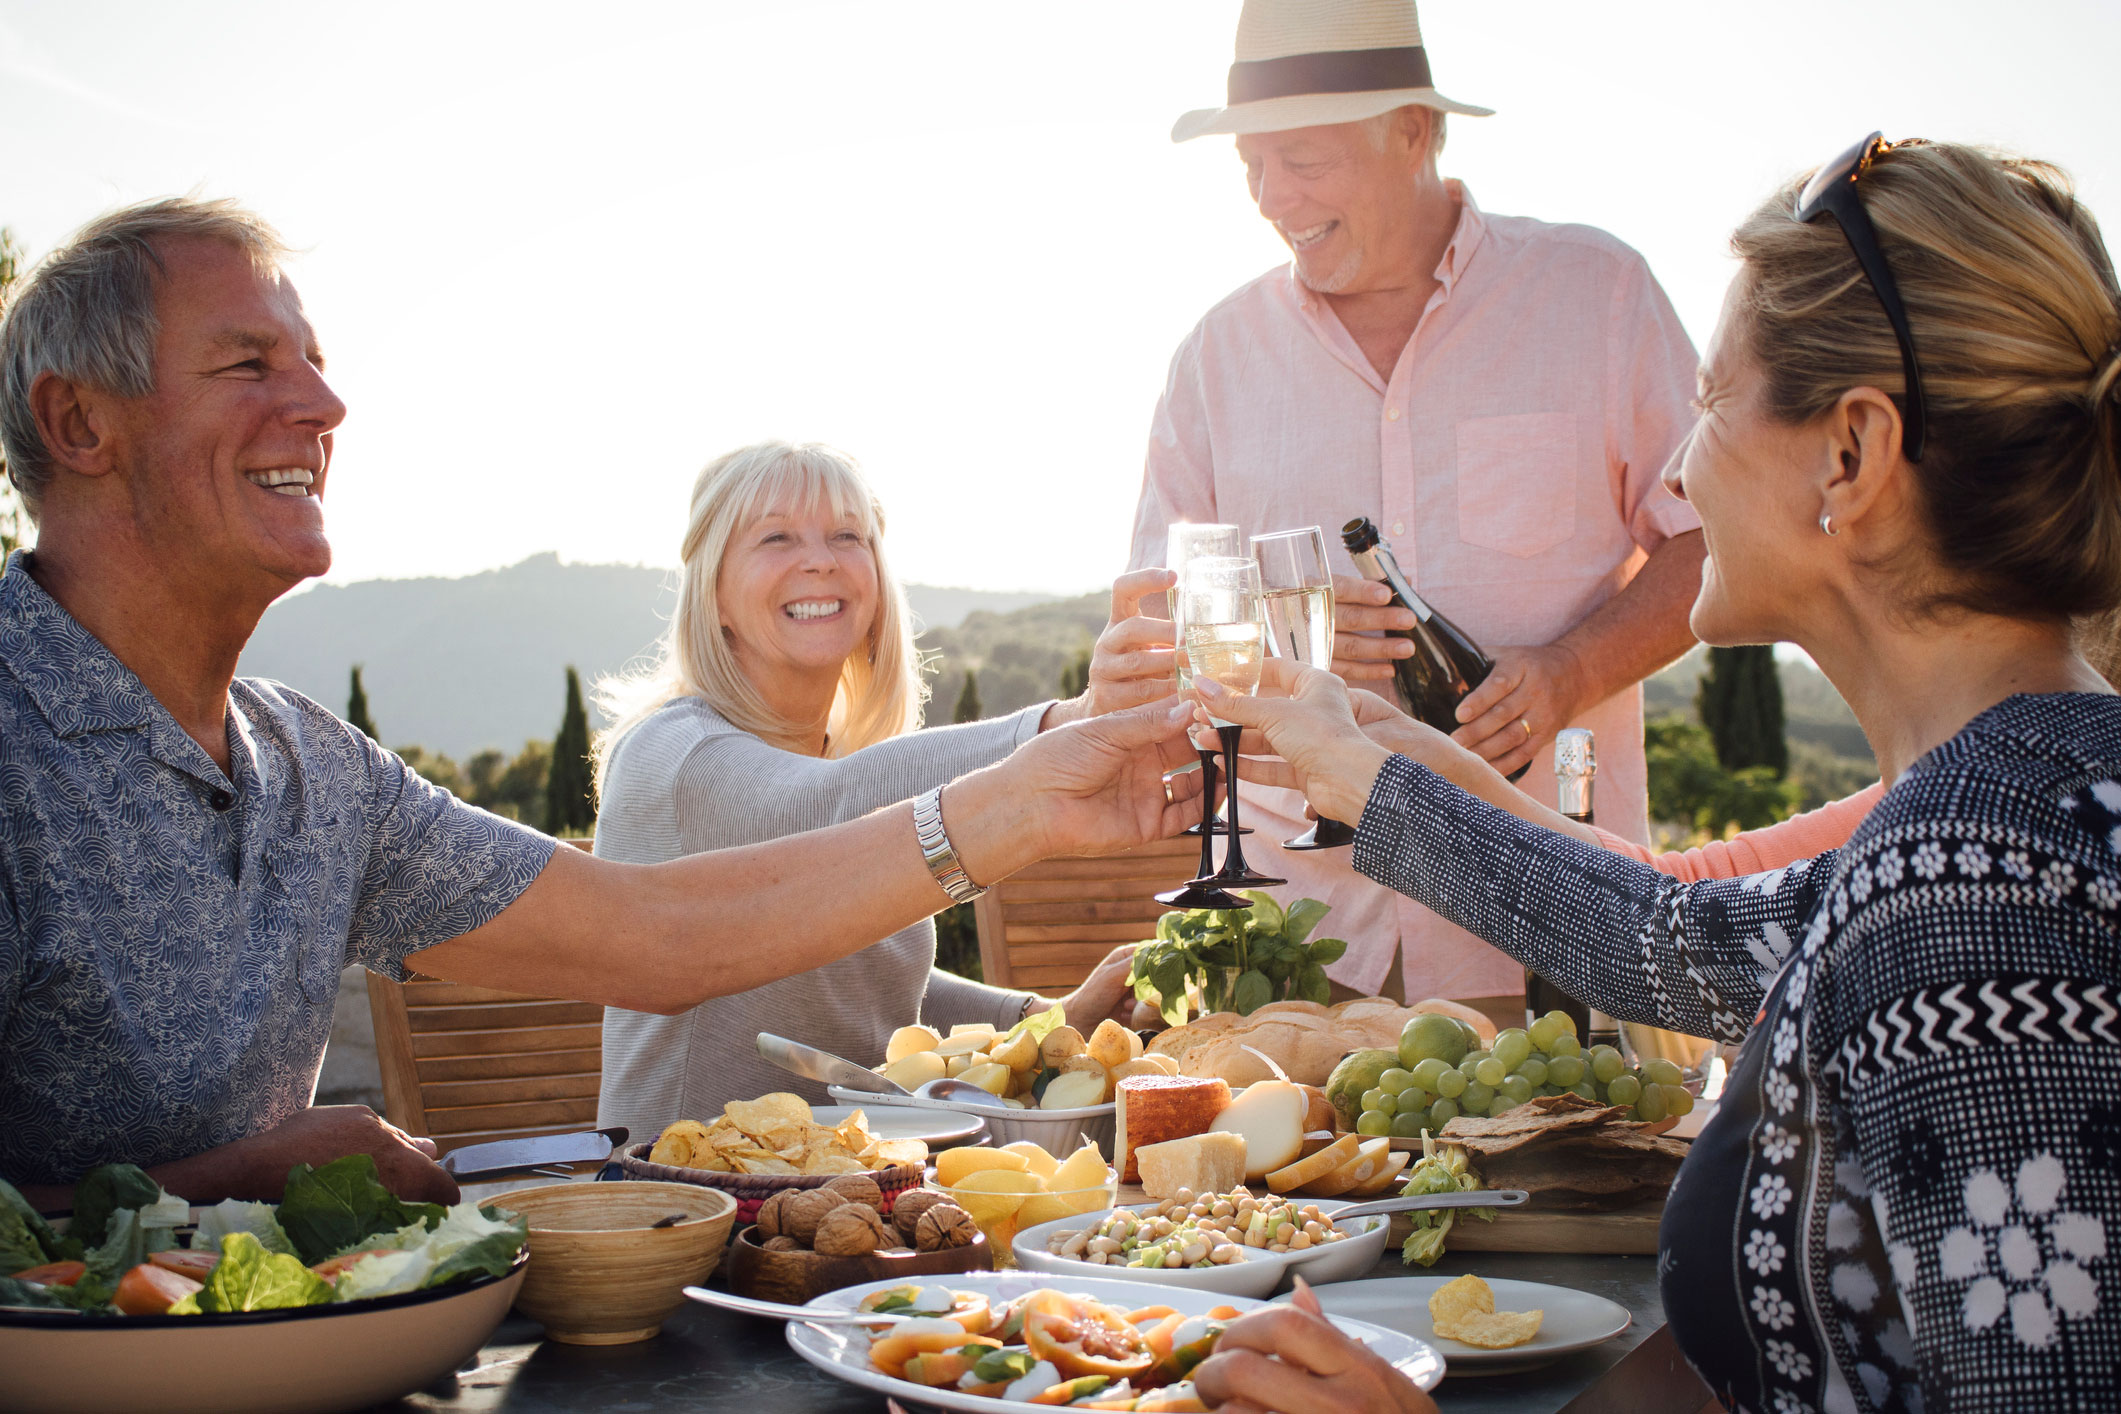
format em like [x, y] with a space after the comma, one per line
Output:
[767, 1112]
[676, 1144]
[1492, 1330]
[772, 1163]
[896, 1153]
[833, 1163]
[1464, 1311]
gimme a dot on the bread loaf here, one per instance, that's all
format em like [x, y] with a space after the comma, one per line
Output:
[1205, 1163]
[1305, 1039]
[1151, 1109]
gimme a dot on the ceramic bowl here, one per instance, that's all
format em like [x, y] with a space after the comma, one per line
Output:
[1259, 1274]
[600, 1272]
[310, 1360]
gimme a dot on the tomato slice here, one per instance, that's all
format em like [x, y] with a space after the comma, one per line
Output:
[193, 1262]
[148, 1290]
[1084, 1337]
[53, 1273]
[332, 1268]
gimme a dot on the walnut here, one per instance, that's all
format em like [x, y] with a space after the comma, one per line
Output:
[804, 1210]
[773, 1213]
[782, 1244]
[906, 1212]
[944, 1225]
[858, 1188]
[850, 1230]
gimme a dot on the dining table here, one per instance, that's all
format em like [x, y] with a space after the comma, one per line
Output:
[710, 1361]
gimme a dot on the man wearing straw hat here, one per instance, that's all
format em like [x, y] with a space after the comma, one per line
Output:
[1497, 393]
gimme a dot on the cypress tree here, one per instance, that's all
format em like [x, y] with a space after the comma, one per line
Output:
[1740, 701]
[569, 806]
[967, 699]
[357, 708]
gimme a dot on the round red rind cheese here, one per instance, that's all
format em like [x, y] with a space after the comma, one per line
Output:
[1151, 1109]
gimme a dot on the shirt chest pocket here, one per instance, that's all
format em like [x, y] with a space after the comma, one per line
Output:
[302, 909]
[1517, 482]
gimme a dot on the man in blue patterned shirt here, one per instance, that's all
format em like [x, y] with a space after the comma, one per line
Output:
[187, 860]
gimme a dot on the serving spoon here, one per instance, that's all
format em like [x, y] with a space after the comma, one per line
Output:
[779, 1311]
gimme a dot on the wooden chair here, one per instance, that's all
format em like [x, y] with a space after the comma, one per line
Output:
[464, 1065]
[1044, 929]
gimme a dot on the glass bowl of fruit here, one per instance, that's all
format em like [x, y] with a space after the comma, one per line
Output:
[1020, 1185]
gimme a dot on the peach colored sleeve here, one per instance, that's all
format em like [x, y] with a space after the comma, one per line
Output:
[1757, 851]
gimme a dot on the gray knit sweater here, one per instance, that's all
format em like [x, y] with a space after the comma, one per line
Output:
[686, 781]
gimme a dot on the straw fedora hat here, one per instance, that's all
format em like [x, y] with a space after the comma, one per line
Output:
[1306, 63]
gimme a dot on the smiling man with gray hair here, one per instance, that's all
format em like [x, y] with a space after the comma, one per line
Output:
[189, 859]
[1498, 394]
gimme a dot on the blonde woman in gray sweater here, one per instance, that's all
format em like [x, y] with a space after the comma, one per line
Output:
[788, 698]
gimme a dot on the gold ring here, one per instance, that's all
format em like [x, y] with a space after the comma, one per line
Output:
[1527, 728]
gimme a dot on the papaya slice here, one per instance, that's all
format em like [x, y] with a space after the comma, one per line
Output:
[53, 1273]
[1084, 1337]
[193, 1262]
[149, 1290]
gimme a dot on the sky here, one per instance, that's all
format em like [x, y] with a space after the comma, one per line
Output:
[560, 256]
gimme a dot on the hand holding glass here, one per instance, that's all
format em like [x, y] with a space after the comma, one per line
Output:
[1297, 585]
[1226, 639]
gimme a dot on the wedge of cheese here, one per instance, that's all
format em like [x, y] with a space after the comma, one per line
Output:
[1205, 1163]
[1151, 1109]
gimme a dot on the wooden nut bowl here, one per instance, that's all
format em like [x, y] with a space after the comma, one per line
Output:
[795, 1277]
[600, 1273]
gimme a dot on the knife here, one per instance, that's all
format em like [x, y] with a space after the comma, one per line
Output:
[477, 1161]
[814, 1064]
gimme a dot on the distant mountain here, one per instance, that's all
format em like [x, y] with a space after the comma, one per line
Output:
[457, 665]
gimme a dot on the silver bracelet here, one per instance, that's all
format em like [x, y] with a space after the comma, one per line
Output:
[935, 848]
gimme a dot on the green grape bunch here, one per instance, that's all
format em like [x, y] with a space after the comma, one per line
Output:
[1443, 1073]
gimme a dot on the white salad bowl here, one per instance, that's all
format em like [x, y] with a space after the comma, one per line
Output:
[306, 1360]
[1257, 1275]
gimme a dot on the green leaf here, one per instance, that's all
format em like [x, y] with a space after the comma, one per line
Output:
[475, 1241]
[249, 1278]
[333, 1208]
[1304, 915]
[1327, 951]
[52, 1298]
[103, 1191]
[1040, 1026]
[1425, 1244]
[24, 1233]
[1251, 993]
[1314, 985]
[1266, 910]
[1170, 978]
[235, 1215]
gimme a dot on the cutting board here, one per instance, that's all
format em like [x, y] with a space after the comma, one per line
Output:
[1627, 1232]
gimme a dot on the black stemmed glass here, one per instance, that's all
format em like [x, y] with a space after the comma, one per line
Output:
[1297, 584]
[1184, 543]
[1226, 639]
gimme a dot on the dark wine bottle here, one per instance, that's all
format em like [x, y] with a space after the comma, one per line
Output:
[1446, 663]
[1575, 769]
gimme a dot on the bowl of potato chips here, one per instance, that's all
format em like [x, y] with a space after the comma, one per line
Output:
[756, 1148]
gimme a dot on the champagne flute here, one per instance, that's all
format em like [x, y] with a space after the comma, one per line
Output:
[1226, 639]
[1184, 543]
[1298, 587]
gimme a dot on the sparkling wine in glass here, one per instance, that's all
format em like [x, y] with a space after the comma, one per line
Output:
[1184, 543]
[1226, 639]
[1297, 585]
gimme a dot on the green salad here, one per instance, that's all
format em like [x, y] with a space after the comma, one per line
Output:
[337, 1234]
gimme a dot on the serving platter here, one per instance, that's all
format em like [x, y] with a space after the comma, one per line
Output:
[1574, 1320]
[1258, 1274]
[843, 1351]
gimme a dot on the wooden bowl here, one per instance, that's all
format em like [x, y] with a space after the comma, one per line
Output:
[600, 1273]
[752, 1189]
[795, 1277]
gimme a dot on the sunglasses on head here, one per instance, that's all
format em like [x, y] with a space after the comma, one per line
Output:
[1832, 192]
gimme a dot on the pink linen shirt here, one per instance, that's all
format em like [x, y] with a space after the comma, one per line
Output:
[1511, 461]
[1775, 846]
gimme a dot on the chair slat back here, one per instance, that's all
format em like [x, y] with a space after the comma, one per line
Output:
[1044, 929]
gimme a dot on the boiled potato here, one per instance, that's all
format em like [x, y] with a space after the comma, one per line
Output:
[915, 1070]
[1060, 1043]
[974, 1028]
[1019, 1054]
[1113, 1044]
[909, 1039]
[1076, 1089]
[994, 1079]
[975, 1044]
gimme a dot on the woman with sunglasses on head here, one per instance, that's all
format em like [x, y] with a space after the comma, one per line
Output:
[1910, 1196]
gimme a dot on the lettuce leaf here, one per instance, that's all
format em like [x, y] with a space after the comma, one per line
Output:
[105, 1190]
[249, 1278]
[26, 1239]
[384, 1274]
[129, 1242]
[337, 1207]
[235, 1215]
[52, 1298]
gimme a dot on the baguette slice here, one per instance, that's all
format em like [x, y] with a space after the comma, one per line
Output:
[1152, 1109]
[1205, 1163]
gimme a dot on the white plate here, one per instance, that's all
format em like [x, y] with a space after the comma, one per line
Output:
[1574, 1320]
[1257, 1275]
[935, 1128]
[843, 1351]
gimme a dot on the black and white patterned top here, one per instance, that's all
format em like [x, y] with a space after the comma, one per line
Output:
[171, 938]
[1910, 1197]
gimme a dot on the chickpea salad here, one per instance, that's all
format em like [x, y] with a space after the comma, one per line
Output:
[1198, 1230]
